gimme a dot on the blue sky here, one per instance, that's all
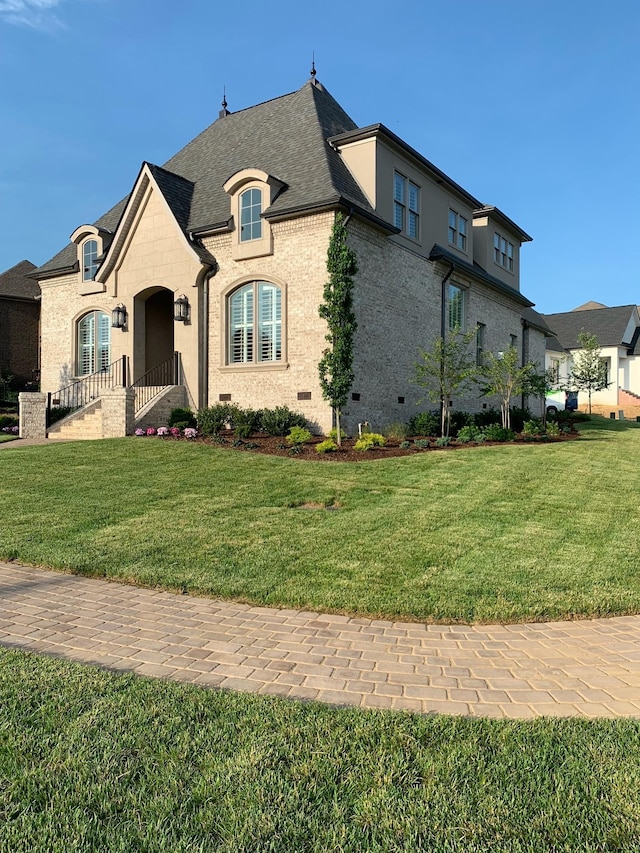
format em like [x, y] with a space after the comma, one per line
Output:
[531, 107]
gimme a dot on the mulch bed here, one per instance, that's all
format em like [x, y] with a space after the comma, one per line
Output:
[277, 446]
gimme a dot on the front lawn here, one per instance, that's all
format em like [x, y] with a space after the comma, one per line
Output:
[510, 533]
[91, 761]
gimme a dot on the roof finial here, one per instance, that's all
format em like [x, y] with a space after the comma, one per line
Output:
[313, 67]
[224, 111]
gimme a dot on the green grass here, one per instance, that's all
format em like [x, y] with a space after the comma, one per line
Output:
[511, 533]
[7, 437]
[92, 761]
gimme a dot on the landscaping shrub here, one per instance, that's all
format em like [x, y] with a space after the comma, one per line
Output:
[422, 443]
[369, 440]
[553, 429]
[485, 417]
[405, 445]
[458, 421]
[518, 418]
[333, 433]
[398, 431]
[279, 421]
[8, 421]
[425, 423]
[57, 413]
[470, 433]
[533, 427]
[326, 446]
[182, 418]
[213, 419]
[244, 422]
[298, 435]
[495, 432]
[443, 441]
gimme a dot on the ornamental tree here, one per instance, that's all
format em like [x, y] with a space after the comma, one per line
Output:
[336, 365]
[446, 369]
[505, 378]
[589, 371]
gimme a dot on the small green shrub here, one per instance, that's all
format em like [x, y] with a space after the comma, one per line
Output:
[518, 417]
[553, 429]
[369, 440]
[443, 441]
[470, 433]
[425, 423]
[326, 446]
[213, 419]
[57, 413]
[397, 431]
[245, 421]
[422, 443]
[458, 421]
[495, 432]
[333, 433]
[8, 421]
[298, 435]
[405, 445]
[532, 427]
[182, 418]
[485, 417]
[279, 421]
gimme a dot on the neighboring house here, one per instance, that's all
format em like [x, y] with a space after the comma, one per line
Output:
[19, 324]
[220, 255]
[618, 333]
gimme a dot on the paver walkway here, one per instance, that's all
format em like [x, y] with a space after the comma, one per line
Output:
[589, 668]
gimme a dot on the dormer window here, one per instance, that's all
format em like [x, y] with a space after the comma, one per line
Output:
[89, 260]
[252, 192]
[502, 252]
[251, 215]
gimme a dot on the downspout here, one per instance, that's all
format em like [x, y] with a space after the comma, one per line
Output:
[204, 390]
[443, 325]
[525, 338]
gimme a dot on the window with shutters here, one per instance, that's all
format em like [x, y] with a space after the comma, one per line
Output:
[93, 343]
[254, 323]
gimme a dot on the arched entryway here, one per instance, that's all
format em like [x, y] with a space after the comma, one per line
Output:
[154, 328]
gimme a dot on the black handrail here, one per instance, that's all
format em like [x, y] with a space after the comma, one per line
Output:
[83, 391]
[147, 387]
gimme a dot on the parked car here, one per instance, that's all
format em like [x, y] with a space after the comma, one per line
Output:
[560, 401]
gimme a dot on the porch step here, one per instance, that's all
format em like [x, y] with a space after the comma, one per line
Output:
[83, 425]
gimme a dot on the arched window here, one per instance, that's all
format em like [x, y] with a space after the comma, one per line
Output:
[250, 215]
[254, 322]
[94, 343]
[89, 260]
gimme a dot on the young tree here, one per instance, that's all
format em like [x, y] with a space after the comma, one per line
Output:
[540, 384]
[336, 365]
[448, 367]
[505, 378]
[589, 371]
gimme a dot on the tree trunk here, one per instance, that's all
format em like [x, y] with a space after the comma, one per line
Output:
[338, 429]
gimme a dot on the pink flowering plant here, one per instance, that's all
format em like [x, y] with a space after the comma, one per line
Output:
[163, 430]
[140, 431]
[151, 431]
[190, 432]
[175, 431]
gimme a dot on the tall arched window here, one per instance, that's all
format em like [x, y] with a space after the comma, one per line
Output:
[89, 260]
[94, 343]
[250, 215]
[254, 322]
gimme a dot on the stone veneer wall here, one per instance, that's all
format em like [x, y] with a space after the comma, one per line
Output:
[32, 415]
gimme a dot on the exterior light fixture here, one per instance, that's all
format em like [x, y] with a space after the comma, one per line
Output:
[181, 309]
[119, 317]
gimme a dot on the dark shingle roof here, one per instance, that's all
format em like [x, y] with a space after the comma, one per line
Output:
[285, 137]
[15, 284]
[439, 253]
[534, 318]
[607, 324]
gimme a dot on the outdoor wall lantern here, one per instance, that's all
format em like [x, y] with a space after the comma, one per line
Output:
[119, 317]
[181, 309]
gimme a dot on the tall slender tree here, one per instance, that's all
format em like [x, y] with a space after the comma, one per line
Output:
[589, 371]
[336, 365]
[505, 377]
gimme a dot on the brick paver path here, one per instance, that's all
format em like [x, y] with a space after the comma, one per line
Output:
[589, 668]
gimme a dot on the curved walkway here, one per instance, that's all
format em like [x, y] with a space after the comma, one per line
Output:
[589, 668]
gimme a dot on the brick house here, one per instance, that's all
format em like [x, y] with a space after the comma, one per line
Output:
[19, 324]
[220, 256]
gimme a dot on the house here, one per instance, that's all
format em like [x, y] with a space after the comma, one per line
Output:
[618, 333]
[220, 257]
[19, 326]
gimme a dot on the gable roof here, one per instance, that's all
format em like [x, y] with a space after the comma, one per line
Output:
[285, 137]
[607, 324]
[15, 284]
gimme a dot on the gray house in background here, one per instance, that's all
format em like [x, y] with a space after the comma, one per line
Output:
[19, 325]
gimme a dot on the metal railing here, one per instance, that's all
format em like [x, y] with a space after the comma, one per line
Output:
[76, 395]
[156, 380]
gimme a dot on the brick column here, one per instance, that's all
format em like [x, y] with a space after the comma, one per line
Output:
[33, 414]
[117, 412]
